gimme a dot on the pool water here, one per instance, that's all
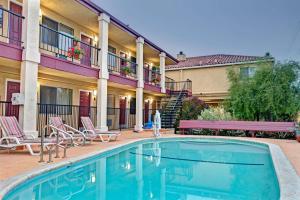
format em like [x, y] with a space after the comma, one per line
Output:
[162, 169]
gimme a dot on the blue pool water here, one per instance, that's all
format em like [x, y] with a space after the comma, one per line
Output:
[162, 169]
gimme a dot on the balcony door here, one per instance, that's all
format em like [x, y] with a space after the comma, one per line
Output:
[12, 87]
[146, 112]
[86, 47]
[84, 105]
[122, 119]
[15, 24]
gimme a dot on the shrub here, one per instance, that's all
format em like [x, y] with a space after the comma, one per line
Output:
[191, 109]
[215, 113]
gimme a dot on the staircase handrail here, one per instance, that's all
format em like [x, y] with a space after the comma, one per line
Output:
[182, 89]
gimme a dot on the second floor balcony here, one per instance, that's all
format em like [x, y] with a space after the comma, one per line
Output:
[10, 27]
[67, 47]
[152, 76]
[121, 66]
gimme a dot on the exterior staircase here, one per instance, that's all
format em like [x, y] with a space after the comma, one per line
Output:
[173, 103]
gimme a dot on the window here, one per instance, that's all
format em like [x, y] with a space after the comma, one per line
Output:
[247, 72]
[58, 100]
[112, 60]
[110, 104]
[65, 40]
[1, 17]
[123, 59]
[132, 106]
[112, 49]
[133, 65]
[50, 36]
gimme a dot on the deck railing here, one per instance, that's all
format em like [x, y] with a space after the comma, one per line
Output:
[10, 27]
[175, 87]
[152, 77]
[67, 47]
[121, 66]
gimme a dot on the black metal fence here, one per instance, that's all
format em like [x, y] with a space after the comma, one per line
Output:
[70, 114]
[67, 47]
[118, 118]
[7, 109]
[121, 66]
[10, 27]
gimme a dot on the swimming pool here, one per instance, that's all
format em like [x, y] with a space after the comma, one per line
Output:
[162, 169]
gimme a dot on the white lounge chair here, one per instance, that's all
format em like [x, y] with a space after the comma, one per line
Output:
[13, 136]
[105, 136]
[66, 131]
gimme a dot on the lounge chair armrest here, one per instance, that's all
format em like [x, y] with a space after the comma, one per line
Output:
[8, 139]
[71, 132]
[61, 132]
[91, 132]
[30, 136]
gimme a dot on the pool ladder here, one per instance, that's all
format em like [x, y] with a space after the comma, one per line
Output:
[57, 145]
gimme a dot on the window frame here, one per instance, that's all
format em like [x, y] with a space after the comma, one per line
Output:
[56, 108]
[249, 73]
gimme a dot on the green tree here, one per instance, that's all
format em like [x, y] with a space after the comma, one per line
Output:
[272, 94]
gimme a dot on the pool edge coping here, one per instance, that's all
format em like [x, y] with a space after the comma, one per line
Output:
[288, 179]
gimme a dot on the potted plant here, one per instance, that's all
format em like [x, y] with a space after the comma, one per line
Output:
[75, 52]
[156, 80]
[126, 70]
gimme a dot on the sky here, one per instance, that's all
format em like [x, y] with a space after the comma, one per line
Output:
[205, 27]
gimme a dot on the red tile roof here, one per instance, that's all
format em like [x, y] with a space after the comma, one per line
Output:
[218, 59]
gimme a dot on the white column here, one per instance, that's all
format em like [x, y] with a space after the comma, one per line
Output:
[140, 84]
[162, 67]
[104, 21]
[29, 66]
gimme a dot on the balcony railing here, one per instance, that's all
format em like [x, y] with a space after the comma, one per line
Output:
[67, 47]
[181, 86]
[152, 77]
[10, 27]
[121, 66]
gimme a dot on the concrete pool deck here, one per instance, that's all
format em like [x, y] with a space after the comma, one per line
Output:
[18, 167]
[16, 163]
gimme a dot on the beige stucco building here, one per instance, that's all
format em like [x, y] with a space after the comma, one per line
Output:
[209, 73]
